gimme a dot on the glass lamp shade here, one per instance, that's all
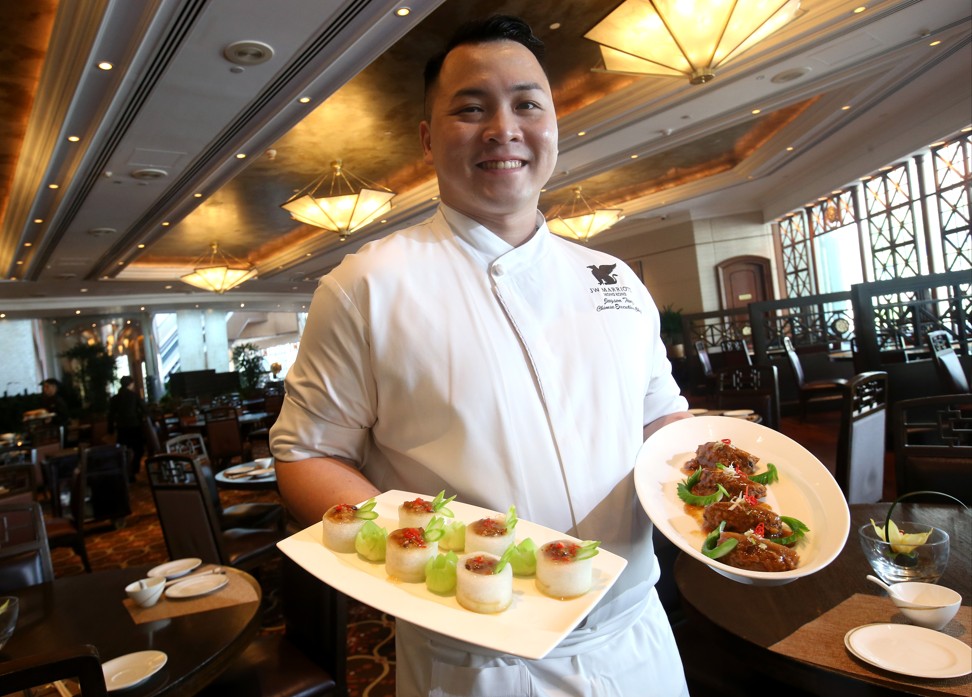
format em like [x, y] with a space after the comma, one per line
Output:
[580, 220]
[350, 202]
[685, 37]
[219, 272]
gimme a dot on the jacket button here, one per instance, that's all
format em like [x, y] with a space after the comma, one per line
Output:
[497, 269]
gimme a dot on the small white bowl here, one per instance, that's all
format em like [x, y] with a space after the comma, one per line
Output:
[937, 605]
[147, 591]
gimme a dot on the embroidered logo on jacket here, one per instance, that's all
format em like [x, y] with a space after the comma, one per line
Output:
[604, 274]
[609, 295]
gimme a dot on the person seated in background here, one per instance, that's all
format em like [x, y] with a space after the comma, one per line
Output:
[126, 419]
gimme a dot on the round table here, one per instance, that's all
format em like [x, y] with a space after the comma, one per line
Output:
[89, 609]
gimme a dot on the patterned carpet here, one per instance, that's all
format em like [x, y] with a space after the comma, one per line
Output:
[371, 634]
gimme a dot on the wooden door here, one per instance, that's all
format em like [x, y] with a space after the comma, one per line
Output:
[744, 280]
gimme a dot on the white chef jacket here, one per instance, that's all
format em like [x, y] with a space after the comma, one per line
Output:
[441, 357]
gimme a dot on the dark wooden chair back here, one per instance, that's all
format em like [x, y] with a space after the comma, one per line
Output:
[81, 663]
[225, 440]
[68, 530]
[108, 472]
[947, 363]
[755, 387]
[933, 445]
[863, 434]
[18, 482]
[703, 353]
[735, 353]
[25, 555]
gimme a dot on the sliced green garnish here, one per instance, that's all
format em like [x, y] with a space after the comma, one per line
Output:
[768, 477]
[370, 541]
[685, 493]
[366, 511]
[714, 551]
[440, 572]
[524, 559]
[439, 504]
[588, 549]
[511, 518]
[504, 559]
[434, 530]
[797, 531]
[455, 536]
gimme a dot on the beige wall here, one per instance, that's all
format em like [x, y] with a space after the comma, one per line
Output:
[678, 258]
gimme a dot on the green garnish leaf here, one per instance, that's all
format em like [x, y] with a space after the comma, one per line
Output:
[714, 551]
[505, 558]
[440, 572]
[524, 560]
[511, 519]
[370, 541]
[685, 493]
[434, 530]
[587, 550]
[797, 531]
[366, 511]
[768, 477]
[454, 536]
[439, 504]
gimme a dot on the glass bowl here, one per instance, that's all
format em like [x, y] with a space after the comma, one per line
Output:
[9, 609]
[925, 562]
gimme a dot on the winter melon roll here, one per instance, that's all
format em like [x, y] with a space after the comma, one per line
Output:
[342, 522]
[564, 568]
[408, 549]
[484, 582]
[418, 512]
[493, 535]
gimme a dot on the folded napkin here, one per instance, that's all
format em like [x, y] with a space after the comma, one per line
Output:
[822, 642]
[236, 592]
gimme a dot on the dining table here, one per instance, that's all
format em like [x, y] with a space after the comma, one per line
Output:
[795, 632]
[200, 636]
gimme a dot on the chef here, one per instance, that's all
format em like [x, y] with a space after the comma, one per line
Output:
[480, 354]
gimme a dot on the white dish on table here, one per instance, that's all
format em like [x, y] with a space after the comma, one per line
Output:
[175, 568]
[262, 472]
[532, 626]
[806, 491]
[698, 411]
[910, 650]
[738, 412]
[196, 586]
[132, 669]
[240, 469]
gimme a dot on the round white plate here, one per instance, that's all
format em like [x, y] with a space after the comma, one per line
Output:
[910, 650]
[176, 568]
[132, 668]
[737, 412]
[240, 469]
[263, 462]
[806, 491]
[262, 472]
[698, 411]
[196, 586]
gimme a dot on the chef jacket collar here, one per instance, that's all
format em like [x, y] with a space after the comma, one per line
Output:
[488, 245]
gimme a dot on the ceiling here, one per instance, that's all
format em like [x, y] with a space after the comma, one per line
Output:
[155, 174]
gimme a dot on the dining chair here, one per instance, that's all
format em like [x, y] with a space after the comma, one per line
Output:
[811, 390]
[256, 514]
[859, 467]
[753, 387]
[224, 438]
[933, 445]
[947, 363]
[25, 555]
[81, 663]
[272, 404]
[108, 472]
[735, 353]
[69, 530]
[190, 522]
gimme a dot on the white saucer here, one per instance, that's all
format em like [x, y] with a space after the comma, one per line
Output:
[196, 586]
[910, 650]
[175, 568]
[737, 412]
[132, 668]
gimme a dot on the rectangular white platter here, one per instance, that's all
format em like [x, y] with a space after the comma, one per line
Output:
[532, 626]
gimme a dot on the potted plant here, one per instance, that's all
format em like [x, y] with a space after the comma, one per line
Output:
[249, 364]
[671, 330]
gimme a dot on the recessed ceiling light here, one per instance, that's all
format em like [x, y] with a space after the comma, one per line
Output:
[756, 111]
[141, 246]
[77, 312]
[168, 287]
[304, 100]
[403, 12]
[242, 304]
[197, 195]
[582, 133]
[84, 290]
[73, 139]
[936, 42]
[28, 244]
[165, 224]
[790, 149]
[142, 308]
[555, 26]
[105, 65]
[846, 107]
[20, 263]
[634, 157]
[53, 186]
[240, 155]
[38, 220]
[2, 315]
[859, 9]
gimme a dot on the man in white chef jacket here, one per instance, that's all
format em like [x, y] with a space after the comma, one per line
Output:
[480, 354]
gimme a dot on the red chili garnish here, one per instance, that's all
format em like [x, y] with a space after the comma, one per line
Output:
[749, 498]
[760, 530]
[727, 441]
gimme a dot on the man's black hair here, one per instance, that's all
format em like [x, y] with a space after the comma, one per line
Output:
[480, 31]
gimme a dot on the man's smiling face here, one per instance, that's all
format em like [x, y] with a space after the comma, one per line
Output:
[492, 131]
